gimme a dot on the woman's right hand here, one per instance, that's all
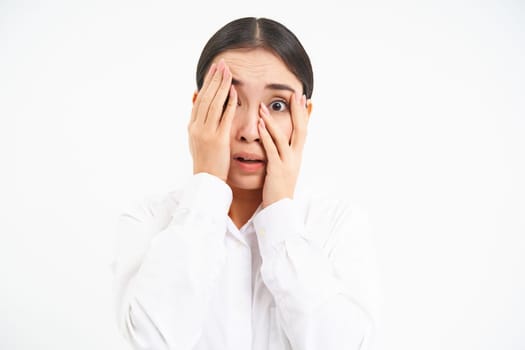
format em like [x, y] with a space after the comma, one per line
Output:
[209, 128]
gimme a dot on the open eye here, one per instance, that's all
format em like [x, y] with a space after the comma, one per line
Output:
[278, 106]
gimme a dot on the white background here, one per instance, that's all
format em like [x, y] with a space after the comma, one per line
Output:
[419, 116]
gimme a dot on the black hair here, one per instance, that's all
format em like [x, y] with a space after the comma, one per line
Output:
[252, 32]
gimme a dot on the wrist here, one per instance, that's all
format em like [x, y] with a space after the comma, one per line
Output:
[269, 200]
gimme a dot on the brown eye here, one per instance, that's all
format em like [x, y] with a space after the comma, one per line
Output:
[278, 106]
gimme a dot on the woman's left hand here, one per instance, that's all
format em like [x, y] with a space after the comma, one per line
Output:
[283, 155]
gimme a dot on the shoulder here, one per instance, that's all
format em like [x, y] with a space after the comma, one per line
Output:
[137, 224]
[342, 229]
[151, 212]
[332, 210]
[330, 220]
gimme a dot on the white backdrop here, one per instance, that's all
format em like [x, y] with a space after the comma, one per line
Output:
[419, 116]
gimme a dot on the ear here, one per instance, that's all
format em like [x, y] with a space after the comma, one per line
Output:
[195, 94]
[309, 107]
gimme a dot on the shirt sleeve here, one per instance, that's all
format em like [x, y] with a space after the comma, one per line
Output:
[164, 274]
[322, 294]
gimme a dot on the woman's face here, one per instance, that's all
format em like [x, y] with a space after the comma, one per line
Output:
[258, 76]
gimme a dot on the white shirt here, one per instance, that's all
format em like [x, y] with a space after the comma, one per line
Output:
[298, 275]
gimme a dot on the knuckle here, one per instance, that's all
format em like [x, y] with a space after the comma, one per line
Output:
[202, 135]
[205, 99]
[213, 110]
[216, 78]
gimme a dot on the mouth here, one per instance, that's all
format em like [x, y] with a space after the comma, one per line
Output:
[249, 158]
[249, 162]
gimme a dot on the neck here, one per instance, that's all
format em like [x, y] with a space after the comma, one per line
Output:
[244, 204]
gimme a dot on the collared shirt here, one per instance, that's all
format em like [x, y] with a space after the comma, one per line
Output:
[298, 275]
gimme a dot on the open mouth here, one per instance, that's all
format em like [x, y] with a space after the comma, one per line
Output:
[249, 161]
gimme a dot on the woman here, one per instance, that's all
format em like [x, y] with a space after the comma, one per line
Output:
[231, 260]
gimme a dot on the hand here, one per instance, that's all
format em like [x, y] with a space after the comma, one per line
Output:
[210, 124]
[283, 156]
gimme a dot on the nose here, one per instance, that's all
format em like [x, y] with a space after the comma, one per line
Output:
[245, 125]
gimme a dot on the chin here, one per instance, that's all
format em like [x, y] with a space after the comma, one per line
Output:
[246, 182]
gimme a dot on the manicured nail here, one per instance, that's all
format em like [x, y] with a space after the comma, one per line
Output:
[261, 123]
[264, 108]
[220, 66]
[225, 72]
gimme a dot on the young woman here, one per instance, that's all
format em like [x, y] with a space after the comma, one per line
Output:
[231, 259]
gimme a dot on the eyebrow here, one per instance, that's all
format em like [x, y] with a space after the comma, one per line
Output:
[273, 86]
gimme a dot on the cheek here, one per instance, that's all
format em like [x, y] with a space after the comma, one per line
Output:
[238, 123]
[233, 129]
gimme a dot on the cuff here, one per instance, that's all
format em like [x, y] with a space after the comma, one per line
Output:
[277, 223]
[206, 193]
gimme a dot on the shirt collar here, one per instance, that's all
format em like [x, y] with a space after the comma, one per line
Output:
[246, 229]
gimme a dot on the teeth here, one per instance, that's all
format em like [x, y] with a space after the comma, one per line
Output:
[248, 160]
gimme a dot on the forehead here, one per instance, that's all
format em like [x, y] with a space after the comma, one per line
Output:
[258, 67]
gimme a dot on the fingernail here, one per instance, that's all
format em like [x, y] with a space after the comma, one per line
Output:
[297, 98]
[303, 100]
[264, 108]
[225, 72]
[220, 66]
[261, 123]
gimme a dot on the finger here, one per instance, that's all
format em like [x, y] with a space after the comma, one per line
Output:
[272, 154]
[217, 105]
[207, 95]
[207, 79]
[280, 140]
[300, 121]
[229, 112]
[209, 76]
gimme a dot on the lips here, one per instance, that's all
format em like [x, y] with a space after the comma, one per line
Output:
[248, 163]
[249, 158]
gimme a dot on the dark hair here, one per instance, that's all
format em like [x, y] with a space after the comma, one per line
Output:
[251, 32]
